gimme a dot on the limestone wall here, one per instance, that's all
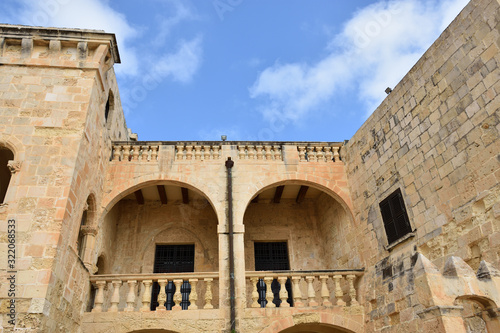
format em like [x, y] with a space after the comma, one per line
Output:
[52, 91]
[436, 138]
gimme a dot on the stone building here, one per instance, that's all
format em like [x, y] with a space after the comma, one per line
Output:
[396, 230]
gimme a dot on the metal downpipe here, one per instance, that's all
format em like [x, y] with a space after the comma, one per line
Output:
[229, 165]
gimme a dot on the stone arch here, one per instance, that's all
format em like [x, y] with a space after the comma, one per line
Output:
[14, 144]
[125, 188]
[11, 155]
[480, 313]
[152, 239]
[327, 186]
[316, 323]
[104, 243]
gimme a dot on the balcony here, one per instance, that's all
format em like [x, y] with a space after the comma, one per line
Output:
[133, 293]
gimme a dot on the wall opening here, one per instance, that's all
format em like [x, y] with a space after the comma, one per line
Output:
[6, 155]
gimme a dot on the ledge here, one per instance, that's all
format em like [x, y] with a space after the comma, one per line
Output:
[400, 240]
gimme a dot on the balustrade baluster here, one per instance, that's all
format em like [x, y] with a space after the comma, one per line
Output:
[302, 153]
[269, 293]
[241, 152]
[283, 292]
[352, 290]
[145, 153]
[180, 153]
[146, 296]
[126, 154]
[338, 290]
[154, 153]
[277, 153]
[208, 294]
[215, 154]
[131, 295]
[336, 155]
[325, 293]
[99, 297]
[310, 154]
[311, 294]
[189, 152]
[319, 154]
[297, 294]
[116, 153]
[115, 298]
[259, 152]
[206, 152]
[197, 152]
[162, 296]
[193, 297]
[135, 152]
[269, 155]
[255, 292]
[177, 295]
[328, 154]
[251, 152]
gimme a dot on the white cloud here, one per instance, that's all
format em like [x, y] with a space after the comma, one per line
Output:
[376, 48]
[181, 12]
[98, 14]
[184, 63]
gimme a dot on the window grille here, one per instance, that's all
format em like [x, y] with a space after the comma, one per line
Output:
[272, 256]
[173, 259]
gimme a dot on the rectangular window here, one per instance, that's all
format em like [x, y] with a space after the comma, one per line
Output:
[394, 215]
[272, 256]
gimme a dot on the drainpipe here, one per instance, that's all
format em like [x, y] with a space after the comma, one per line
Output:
[229, 165]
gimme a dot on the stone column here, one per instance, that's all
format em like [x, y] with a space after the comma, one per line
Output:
[89, 233]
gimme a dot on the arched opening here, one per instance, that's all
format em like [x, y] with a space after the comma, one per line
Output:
[315, 328]
[298, 227]
[480, 314]
[163, 228]
[6, 155]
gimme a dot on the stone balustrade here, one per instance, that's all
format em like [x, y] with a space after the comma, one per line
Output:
[197, 152]
[135, 152]
[147, 151]
[260, 152]
[320, 153]
[122, 292]
[308, 288]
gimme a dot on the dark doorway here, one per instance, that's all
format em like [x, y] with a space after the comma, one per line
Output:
[272, 256]
[173, 259]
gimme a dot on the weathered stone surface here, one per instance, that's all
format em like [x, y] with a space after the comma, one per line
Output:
[435, 137]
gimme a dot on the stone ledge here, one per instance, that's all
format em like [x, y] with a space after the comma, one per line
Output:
[392, 245]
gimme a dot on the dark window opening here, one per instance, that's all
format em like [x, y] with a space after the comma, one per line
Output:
[173, 259]
[394, 215]
[5, 156]
[272, 256]
[109, 108]
[106, 111]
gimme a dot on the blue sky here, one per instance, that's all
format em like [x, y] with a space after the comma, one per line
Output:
[284, 70]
